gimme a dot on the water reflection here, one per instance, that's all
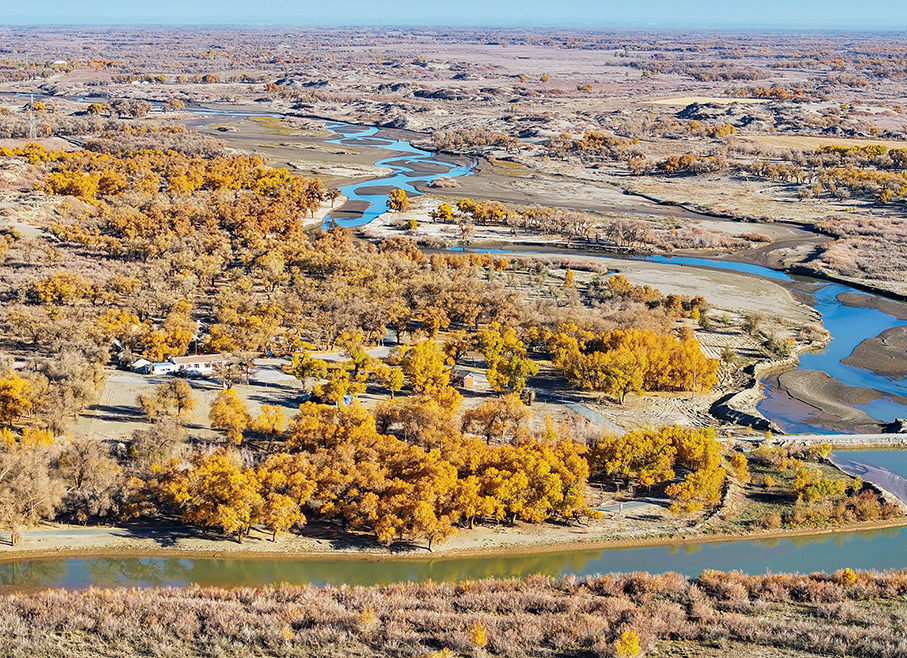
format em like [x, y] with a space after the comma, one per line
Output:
[47, 573]
[871, 549]
[147, 572]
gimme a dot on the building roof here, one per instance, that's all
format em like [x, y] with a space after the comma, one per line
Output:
[197, 358]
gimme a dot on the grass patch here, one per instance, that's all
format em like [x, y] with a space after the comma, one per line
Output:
[509, 167]
[779, 505]
[278, 127]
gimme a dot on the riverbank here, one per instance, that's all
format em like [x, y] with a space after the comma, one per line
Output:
[187, 543]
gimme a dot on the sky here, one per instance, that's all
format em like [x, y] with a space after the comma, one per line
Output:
[792, 14]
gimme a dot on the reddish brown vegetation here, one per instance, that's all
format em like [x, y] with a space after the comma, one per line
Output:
[857, 614]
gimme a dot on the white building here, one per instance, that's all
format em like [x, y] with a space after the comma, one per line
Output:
[205, 364]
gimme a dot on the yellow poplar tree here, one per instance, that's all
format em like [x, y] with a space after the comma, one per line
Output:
[218, 493]
[228, 412]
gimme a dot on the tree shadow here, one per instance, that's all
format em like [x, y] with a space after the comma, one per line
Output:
[658, 502]
[287, 403]
[286, 388]
[643, 517]
[116, 413]
[163, 537]
[769, 498]
[339, 539]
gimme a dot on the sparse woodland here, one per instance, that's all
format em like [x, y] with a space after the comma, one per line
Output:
[212, 251]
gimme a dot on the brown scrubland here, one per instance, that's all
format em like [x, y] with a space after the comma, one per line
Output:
[728, 614]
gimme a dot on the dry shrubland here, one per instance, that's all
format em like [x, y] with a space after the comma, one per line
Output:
[844, 613]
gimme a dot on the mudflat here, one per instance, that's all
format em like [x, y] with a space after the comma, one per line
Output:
[835, 403]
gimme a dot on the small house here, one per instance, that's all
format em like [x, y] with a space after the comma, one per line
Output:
[160, 368]
[462, 378]
[140, 365]
[205, 364]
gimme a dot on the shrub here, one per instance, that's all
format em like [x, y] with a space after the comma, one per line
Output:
[769, 521]
[627, 645]
[846, 576]
[477, 635]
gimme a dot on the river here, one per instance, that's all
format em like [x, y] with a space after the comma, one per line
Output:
[409, 164]
[873, 549]
[848, 326]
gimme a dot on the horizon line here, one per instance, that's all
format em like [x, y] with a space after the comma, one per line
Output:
[670, 27]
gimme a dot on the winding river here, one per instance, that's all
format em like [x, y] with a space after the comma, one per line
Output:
[411, 166]
[848, 325]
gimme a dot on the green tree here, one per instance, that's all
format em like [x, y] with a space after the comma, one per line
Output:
[392, 378]
[505, 355]
[509, 375]
[306, 369]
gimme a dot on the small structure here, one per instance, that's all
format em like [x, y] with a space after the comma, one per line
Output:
[160, 368]
[140, 365]
[205, 364]
[462, 378]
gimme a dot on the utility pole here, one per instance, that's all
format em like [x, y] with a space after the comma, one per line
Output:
[694, 382]
[31, 119]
